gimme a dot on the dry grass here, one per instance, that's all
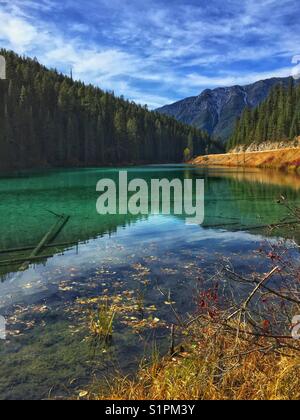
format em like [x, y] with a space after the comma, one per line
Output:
[215, 367]
[287, 159]
[102, 321]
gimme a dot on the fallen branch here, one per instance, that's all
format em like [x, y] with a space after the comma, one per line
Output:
[7, 263]
[29, 248]
[264, 280]
[270, 226]
[50, 235]
[245, 305]
[241, 279]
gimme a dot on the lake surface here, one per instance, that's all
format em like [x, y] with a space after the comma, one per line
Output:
[49, 349]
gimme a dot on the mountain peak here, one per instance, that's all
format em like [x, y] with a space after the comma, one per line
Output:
[216, 110]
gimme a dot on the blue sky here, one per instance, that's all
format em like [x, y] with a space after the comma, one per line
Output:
[156, 51]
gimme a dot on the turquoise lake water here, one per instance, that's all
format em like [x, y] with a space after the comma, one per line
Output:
[48, 351]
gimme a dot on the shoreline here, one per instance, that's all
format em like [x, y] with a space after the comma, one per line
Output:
[287, 159]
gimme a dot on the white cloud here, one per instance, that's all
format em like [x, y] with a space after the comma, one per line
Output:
[197, 81]
[16, 32]
[155, 53]
[80, 27]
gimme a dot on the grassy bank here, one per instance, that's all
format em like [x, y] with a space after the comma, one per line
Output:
[284, 159]
[212, 367]
[241, 342]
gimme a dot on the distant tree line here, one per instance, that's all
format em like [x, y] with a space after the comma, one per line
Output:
[47, 119]
[276, 119]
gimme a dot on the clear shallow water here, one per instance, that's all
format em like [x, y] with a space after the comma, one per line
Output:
[47, 351]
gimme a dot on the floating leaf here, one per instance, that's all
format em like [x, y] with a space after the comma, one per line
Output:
[83, 394]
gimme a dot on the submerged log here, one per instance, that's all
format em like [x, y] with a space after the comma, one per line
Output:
[50, 236]
[270, 226]
[15, 261]
[29, 248]
[219, 225]
[172, 339]
[255, 227]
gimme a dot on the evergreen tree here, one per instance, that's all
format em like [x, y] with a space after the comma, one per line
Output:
[49, 119]
[276, 119]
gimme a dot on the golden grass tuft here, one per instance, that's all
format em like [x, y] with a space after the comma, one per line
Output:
[212, 368]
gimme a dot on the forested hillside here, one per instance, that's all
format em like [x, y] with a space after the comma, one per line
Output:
[47, 119]
[276, 119]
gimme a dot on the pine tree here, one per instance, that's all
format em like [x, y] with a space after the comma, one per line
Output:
[50, 119]
[276, 119]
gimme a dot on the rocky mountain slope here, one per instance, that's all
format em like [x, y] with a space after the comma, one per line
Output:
[216, 110]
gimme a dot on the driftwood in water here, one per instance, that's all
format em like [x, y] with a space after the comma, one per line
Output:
[172, 338]
[29, 248]
[220, 225]
[50, 236]
[15, 261]
[242, 228]
[270, 226]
